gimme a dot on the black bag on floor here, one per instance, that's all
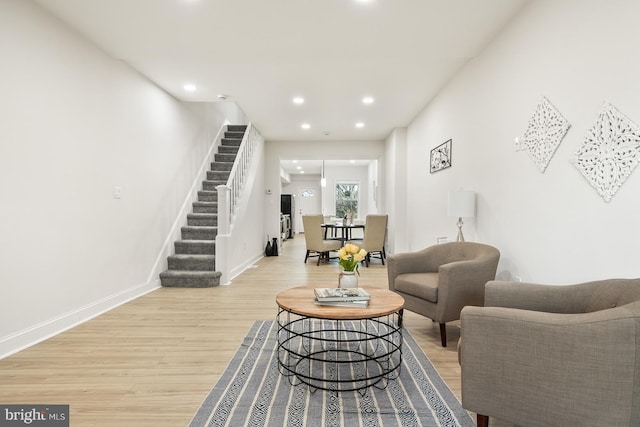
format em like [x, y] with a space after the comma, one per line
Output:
[268, 250]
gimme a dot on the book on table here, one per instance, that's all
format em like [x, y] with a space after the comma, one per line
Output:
[352, 304]
[341, 294]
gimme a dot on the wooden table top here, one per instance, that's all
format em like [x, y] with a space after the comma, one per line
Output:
[300, 300]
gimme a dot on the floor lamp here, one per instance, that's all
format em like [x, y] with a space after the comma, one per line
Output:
[462, 204]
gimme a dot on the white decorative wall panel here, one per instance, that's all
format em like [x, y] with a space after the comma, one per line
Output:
[610, 151]
[546, 129]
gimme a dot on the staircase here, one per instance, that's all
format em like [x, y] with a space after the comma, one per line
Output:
[193, 265]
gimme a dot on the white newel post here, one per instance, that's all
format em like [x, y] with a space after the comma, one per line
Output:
[222, 238]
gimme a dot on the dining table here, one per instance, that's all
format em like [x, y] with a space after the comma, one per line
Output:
[346, 230]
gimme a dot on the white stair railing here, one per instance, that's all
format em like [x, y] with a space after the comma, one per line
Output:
[229, 196]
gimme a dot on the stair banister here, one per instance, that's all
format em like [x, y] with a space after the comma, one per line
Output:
[229, 195]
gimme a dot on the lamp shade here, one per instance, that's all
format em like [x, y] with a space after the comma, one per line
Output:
[462, 203]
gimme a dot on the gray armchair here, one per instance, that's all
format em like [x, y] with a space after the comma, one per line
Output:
[437, 282]
[540, 355]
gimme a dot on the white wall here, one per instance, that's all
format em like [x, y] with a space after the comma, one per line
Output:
[394, 191]
[552, 227]
[373, 184]
[75, 123]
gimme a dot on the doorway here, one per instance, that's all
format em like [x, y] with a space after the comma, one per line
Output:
[309, 202]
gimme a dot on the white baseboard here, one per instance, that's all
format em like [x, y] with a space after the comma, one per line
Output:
[235, 272]
[21, 340]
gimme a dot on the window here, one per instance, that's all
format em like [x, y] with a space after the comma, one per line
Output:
[347, 196]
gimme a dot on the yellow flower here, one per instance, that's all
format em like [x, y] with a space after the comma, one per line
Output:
[360, 255]
[350, 255]
[351, 248]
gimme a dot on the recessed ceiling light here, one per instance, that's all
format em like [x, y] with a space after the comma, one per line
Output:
[352, 161]
[301, 171]
[298, 100]
[298, 167]
[359, 125]
[305, 126]
[189, 87]
[295, 161]
[367, 100]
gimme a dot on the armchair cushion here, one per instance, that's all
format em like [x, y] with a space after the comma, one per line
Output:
[420, 285]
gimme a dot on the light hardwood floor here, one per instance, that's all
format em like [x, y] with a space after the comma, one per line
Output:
[152, 361]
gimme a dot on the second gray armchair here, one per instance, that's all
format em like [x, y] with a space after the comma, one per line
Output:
[540, 355]
[437, 282]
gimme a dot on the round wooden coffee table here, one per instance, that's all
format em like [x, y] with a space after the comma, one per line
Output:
[339, 348]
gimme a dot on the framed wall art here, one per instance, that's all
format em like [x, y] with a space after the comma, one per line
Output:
[547, 127]
[440, 157]
[610, 151]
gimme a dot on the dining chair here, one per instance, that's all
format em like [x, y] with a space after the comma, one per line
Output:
[314, 238]
[375, 231]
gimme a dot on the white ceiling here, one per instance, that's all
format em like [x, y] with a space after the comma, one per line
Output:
[262, 53]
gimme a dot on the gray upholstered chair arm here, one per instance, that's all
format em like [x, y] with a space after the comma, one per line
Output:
[530, 296]
[528, 365]
[422, 261]
[461, 283]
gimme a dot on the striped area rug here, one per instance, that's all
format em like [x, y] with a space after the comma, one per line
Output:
[252, 392]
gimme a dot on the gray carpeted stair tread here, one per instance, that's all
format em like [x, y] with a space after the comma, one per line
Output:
[191, 262]
[231, 142]
[221, 166]
[218, 175]
[202, 219]
[228, 158]
[202, 247]
[211, 185]
[199, 233]
[228, 149]
[208, 196]
[205, 207]
[233, 135]
[190, 279]
[202, 215]
[236, 128]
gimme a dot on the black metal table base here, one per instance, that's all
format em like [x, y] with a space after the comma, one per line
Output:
[339, 355]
